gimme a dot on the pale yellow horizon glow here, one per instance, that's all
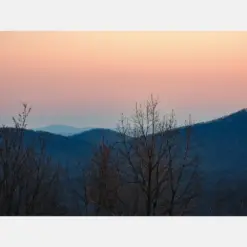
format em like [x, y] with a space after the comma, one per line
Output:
[89, 78]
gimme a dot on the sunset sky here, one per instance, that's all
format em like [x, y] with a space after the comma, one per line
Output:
[87, 79]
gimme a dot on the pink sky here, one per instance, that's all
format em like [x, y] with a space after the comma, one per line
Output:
[90, 78]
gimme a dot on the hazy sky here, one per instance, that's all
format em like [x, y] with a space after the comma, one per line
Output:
[90, 78]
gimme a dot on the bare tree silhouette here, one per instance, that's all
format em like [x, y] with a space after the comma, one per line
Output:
[29, 182]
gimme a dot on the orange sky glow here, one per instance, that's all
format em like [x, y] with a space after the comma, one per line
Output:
[90, 78]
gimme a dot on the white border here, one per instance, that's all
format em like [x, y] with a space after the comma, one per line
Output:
[122, 232]
[123, 15]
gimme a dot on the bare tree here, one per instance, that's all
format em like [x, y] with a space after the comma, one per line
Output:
[99, 183]
[163, 177]
[29, 181]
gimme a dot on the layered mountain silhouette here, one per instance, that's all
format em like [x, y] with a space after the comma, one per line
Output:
[221, 139]
[220, 145]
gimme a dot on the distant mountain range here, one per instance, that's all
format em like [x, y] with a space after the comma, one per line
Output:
[220, 144]
[223, 139]
[64, 130]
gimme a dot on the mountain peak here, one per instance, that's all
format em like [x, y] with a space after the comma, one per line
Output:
[64, 130]
[238, 116]
[240, 113]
